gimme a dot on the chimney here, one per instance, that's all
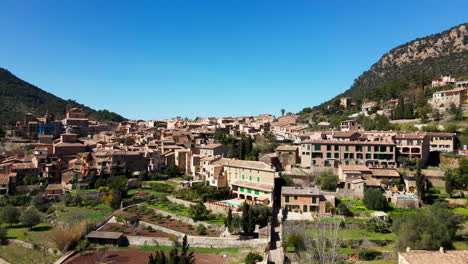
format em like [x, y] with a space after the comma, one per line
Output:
[441, 250]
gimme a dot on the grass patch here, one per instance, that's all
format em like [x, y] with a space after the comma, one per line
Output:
[461, 211]
[349, 234]
[71, 214]
[39, 235]
[20, 255]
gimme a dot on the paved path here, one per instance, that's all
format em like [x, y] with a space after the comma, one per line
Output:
[2, 261]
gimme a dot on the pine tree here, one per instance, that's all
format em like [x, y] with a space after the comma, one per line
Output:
[228, 223]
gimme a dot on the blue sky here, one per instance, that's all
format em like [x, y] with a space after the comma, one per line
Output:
[160, 59]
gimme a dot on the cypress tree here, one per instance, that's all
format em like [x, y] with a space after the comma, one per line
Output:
[420, 181]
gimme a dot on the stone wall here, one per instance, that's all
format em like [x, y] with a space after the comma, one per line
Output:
[180, 201]
[187, 220]
[32, 246]
[200, 242]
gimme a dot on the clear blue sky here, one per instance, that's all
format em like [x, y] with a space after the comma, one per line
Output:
[159, 59]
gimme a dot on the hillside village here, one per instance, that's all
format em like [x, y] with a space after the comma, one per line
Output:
[237, 185]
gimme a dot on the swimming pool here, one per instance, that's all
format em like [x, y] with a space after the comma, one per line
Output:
[406, 198]
[230, 203]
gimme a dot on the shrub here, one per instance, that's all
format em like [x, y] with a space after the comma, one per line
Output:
[295, 241]
[378, 225]
[198, 211]
[344, 210]
[201, 230]
[327, 180]
[3, 235]
[162, 187]
[82, 245]
[369, 254]
[253, 258]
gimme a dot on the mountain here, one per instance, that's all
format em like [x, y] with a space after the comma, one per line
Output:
[18, 97]
[445, 53]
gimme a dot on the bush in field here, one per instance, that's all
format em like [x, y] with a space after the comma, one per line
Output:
[295, 241]
[30, 218]
[253, 258]
[66, 238]
[3, 235]
[40, 202]
[201, 230]
[162, 187]
[378, 225]
[369, 254]
[10, 214]
[343, 209]
[198, 211]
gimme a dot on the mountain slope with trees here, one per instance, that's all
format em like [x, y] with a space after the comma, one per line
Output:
[18, 97]
[445, 53]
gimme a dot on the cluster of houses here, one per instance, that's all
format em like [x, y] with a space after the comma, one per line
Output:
[361, 158]
[441, 100]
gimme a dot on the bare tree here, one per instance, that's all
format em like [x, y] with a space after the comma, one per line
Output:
[322, 243]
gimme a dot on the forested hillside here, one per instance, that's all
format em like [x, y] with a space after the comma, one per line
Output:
[18, 97]
[409, 66]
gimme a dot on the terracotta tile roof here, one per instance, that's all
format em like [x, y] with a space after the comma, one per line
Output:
[425, 257]
[290, 190]
[248, 164]
[254, 185]
[336, 142]
[377, 172]
[355, 168]
[287, 148]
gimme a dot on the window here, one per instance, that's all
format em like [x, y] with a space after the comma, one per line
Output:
[258, 179]
[257, 192]
[358, 148]
[304, 208]
[295, 197]
[368, 156]
[249, 191]
[317, 147]
[329, 147]
[346, 148]
[347, 162]
[308, 147]
[327, 163]
[241, 189]
[410, 142]
[250, 178]
[383, 149]
[329, 155]
[314, 162]
[314, 199]
[376, 148]
[337, 155]
[419, 142]
[337, 147]
[243, 176]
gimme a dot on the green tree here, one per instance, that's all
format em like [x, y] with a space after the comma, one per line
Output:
[327, 180]
[375, 200]
[420, 181]
[248, 222]
[3, 235]
[428, 230]
[451, 128]
[282, 111]
[185, 257]
[10, 214]
[228, 222]
[172, 171]
[30, 218]
[253, 258]
[344, 210]
[40, 202]
[198, 211]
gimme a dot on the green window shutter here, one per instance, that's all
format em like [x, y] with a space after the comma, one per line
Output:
[257, 192]
[286, 198]
[250, 178]
[241, 189]
[243, 176]
[295, 197]
[258, 179]
[314, 199]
